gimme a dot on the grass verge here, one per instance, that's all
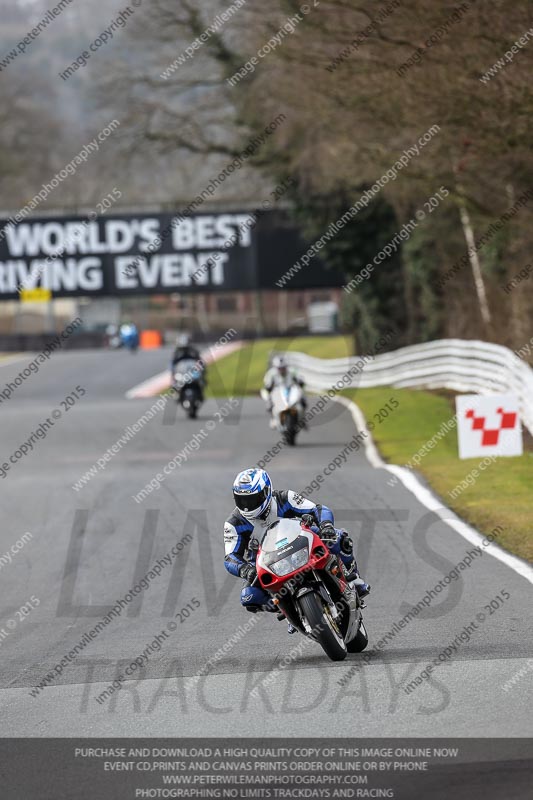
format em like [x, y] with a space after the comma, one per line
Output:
[241, 373]
[501, 494]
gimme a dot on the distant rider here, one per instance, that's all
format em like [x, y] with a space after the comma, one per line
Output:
[186, 351]
[280, 374]
[258, 506]
[129, 336]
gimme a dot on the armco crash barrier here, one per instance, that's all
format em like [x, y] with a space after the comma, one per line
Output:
[456, 364]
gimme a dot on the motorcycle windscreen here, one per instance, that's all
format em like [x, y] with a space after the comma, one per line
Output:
[283, 537]
[286, 397]
[294, 395]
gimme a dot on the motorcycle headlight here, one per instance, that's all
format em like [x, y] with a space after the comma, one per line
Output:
[294, 561]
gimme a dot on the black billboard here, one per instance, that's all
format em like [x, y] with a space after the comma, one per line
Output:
[151, 254]
[280, 265]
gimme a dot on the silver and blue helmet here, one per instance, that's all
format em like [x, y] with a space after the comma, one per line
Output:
[252, 490]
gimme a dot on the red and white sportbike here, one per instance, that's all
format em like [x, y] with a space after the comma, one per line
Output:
[307, 583]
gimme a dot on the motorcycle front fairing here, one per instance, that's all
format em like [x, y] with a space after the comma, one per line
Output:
[286, 399]
[187, 372]
[293, 560]
[286, 548]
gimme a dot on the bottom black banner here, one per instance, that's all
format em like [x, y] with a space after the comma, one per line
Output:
[120, 769]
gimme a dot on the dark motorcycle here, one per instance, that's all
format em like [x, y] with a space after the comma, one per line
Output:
[188, 385]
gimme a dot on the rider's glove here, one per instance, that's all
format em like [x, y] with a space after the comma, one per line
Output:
[327, 531]
[248, 572]
[308, 520]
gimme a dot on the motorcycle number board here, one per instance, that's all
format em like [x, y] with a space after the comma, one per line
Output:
[488, 425]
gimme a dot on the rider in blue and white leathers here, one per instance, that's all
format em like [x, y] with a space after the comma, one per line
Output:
[257, 507]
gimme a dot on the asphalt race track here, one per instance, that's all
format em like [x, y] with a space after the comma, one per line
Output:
[90, 547]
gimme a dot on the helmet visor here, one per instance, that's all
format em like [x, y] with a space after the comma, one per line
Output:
[251, 502]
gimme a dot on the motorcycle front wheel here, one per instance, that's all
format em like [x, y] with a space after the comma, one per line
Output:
[190, 404]
[289, 432]
[323, 625]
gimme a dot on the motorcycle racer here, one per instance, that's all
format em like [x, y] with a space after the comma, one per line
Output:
[258, 505]
[186, 351]
[280, 374]
[129, 336]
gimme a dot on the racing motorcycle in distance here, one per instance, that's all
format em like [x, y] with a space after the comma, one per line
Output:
[307, 583]
[188, 385]
[128, 337]
[287, 410]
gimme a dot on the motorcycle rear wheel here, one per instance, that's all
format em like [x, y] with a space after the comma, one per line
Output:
[323, 627]
[359, 641]
[289, 438]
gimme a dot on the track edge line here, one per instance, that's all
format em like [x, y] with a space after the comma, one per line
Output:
[430, 500]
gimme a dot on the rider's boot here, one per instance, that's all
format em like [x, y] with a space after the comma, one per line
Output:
[290, 628]
[352, 577]
[350, 566]
[362, 588]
